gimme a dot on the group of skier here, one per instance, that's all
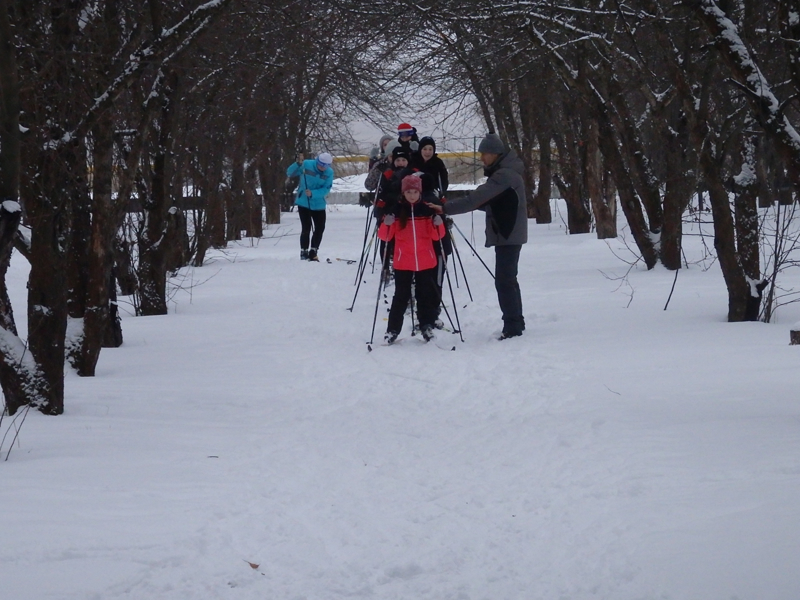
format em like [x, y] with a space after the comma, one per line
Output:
[409, 183]
[406, 177]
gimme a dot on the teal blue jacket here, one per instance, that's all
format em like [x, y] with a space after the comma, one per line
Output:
[311, 178]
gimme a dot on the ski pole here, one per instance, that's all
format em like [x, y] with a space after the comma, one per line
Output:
[362, 268]
[457, 326]
[377, 303]
[443, 269]
[473, 249]
[455, 308]
[375, 252]
[370, 214]
[461, 264]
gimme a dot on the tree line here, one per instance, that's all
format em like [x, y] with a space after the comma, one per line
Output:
[134, 137]
[115, 116]
[650, 103]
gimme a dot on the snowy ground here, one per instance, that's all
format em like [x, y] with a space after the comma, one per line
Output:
[617, 451]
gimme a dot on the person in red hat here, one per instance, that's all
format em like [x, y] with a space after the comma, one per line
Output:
[407, 136]
[414, 227]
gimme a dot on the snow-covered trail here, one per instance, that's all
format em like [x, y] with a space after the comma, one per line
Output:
[615, 451]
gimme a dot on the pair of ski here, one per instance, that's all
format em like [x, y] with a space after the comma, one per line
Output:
[415, 337]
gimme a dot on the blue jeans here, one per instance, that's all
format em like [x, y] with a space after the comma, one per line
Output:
[508, 294]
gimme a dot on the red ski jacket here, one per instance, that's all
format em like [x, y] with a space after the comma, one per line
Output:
[413, 244]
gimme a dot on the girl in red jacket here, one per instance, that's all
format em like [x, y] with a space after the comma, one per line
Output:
[415, 228]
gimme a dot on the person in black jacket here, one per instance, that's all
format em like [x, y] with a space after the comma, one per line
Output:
[390, 191]
[427, 161]
[407, 136]
[435, 182]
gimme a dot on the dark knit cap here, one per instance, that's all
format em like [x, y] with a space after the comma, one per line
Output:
[492, 144]
[399, 152]
[427, 141]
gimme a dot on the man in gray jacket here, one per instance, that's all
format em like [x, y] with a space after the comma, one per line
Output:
[502, 197]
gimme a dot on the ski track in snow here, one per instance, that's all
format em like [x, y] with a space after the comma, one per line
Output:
[615, 451]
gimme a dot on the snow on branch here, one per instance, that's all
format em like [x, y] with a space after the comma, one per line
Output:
[746, 72]
[164, 48]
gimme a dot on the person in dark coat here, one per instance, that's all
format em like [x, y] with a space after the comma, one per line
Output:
[502, 198]
[407, 136]
[388, 194]
[428, 162]
[435, 182]
[389, 188]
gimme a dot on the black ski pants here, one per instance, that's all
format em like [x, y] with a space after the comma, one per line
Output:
[426, 294]
[508, 295]
[307, 216]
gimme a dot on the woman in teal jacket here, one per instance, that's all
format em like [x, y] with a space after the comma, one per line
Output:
[316, 179]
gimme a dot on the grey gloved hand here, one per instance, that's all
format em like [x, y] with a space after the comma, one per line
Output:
[437, 220]
[388, 220]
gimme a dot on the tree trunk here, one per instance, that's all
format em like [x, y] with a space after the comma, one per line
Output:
[634, 155]
[631, 207]
[10, 377]
[11, 369]
[570, 184]
[47, 299]
[604, 216]
[746, 225]
[9, 111]
[252, 202]
[272, 190]
[124, 271]
[680, 183]
[724, 239]
[177, 238]
[766, 163]
[100, 257]
[154, 244]
[80, 240]
[216, 216]
[541, 200]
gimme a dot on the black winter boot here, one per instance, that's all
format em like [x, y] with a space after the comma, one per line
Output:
[303, 254]
[312, 254]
